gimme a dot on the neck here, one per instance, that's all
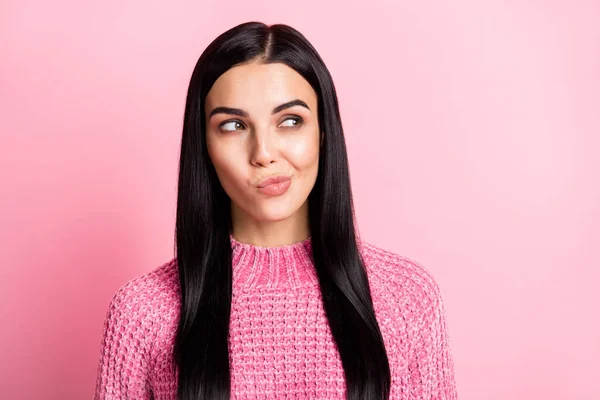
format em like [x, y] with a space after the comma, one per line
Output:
[283, 232]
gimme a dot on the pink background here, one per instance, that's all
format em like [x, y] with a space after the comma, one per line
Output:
[473, 137]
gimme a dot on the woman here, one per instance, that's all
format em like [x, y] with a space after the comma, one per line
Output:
[272, 294]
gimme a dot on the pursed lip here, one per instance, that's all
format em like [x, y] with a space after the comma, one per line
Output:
[274, 179]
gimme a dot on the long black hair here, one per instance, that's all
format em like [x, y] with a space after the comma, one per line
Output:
[203, 225]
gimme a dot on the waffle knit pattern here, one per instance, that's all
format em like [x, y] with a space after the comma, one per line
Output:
[280, 343]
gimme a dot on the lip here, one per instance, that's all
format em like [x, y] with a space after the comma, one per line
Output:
[276, 189]
[273, 180]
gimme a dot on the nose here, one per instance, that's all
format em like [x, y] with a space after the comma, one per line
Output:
[263, 147]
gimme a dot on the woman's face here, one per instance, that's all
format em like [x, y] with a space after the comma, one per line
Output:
[254, 133]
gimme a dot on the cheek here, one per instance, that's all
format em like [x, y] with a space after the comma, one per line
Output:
[223, 159]
[304, 153]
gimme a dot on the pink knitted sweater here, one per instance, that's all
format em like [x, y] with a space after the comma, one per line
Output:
[280, 344]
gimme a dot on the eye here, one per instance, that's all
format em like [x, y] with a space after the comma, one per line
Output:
[295, 121]
[233, 125]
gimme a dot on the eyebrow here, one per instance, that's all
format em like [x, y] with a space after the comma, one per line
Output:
[242, 113]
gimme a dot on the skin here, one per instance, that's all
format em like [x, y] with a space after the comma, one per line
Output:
[245, 150]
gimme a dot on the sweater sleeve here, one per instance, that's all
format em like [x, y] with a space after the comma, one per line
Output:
[431, 366]
[123, 366]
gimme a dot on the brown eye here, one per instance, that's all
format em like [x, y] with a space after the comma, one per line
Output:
[295, 121]
[233, 125]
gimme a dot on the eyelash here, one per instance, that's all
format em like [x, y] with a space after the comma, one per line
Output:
[295, 118]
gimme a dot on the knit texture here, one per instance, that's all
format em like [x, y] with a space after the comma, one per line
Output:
[280, 343]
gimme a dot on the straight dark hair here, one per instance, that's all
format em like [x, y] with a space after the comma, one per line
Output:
[203, 225]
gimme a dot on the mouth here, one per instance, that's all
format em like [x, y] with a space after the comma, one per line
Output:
[276, 189]
[274, 180]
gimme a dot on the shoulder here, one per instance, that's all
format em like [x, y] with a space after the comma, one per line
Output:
[405, 279]
[144, 299]
[145, 288]
[134, 318]
[412, 317]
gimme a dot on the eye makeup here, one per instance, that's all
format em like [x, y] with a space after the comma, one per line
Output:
[299, 121]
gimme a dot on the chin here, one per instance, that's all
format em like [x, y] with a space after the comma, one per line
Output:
[274, 213]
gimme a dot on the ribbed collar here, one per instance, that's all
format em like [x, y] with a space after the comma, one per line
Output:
[281, 267]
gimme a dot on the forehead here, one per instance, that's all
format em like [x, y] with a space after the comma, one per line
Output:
[256, 87]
